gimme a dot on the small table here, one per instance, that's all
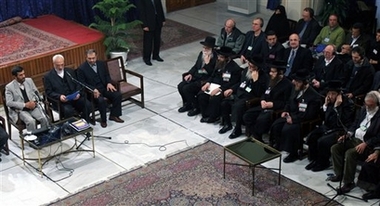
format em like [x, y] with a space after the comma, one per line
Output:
[254, 153]
[88, 133]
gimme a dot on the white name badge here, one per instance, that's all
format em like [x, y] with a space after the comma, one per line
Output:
[267, 91]
[250, 48]
[374, 51]
[226, 75]
[248, 89]
[242, 85]
[326, 39]
[302, 107]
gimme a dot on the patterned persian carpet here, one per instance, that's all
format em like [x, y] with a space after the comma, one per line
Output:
[195, 177]
[173, 34]
[20, 41]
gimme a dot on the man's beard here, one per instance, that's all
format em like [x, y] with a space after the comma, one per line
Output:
[372, 110]
[248, 75]
[221, 64]
[273, 82]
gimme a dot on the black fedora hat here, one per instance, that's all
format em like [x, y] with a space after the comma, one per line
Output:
[278, 64]
[225, 51]
[301, 75]
[256, 60]
[209, 41]
[334, 85]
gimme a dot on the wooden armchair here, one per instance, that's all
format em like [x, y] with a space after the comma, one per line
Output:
[118, 75]
[2, 124]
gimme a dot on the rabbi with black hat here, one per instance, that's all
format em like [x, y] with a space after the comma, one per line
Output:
[303, 104]
[338, 110]
[226, 74]
[252, 85]
[193, 80]
[258, 119]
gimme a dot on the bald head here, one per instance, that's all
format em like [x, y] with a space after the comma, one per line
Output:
[229, 25]
[294, 41]
[329, 51]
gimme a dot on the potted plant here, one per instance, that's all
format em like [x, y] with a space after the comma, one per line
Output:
[113, 24]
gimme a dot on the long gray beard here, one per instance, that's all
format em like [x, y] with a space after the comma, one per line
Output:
[248, 75]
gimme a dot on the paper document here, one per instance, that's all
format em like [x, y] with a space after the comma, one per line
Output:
[211, 88]
[72, 96]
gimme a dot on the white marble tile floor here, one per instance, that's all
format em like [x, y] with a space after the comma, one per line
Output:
[135, 142]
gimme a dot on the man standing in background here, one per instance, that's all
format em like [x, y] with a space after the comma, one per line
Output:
[152, 16]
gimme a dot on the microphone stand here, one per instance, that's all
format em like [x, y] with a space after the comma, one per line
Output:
[43, 111]
[338, 190]
[85, 97]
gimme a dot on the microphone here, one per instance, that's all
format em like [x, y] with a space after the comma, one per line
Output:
[38, 96]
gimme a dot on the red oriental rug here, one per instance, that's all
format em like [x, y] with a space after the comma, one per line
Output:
[20, 41]
[195, 177]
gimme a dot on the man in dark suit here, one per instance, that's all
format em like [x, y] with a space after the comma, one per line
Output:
[271, 50]
[297, 57]
[356, 37]
[303, 104]
[328, 67]
[359, 74]
[95, 75]
[258, 119]
[152, 16]
[253, 40]
[360, 140]
[307, 28]
[194, 79]
[59, 85]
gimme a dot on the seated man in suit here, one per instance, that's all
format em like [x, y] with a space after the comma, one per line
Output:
[374, 52]
[95, 74]
[362, 137]
[59, 84]
[252, 84]
[231, 36]
[303, 104]
[253, 40]
[296, 57]
[3, 137]
[328, 67]
[358, 75]
[271, 50]
[226, 74]
[307, 27]
[258, 119]
[356, 37]
[21, 95]
[194, 79]
[369, 176]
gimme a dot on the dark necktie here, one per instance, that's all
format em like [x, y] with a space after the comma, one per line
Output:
[290, 63]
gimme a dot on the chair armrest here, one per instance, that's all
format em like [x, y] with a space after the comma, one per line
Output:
[141, 77]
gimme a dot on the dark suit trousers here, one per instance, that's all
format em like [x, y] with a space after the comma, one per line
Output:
[152, 41]
[320, 144]
[210, 105]
[189, 91]
[3, 137]
[81, 106]
[262, 124]
[287, 136]
[115, 98]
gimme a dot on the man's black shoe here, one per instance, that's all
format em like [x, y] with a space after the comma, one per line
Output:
[204, 119]
[371, 195]
[148, 62]
[159, 59]
[225, 128]
[319, 167]
[184, 109]
[290, 158]
[347, 187]
[193, 112]
[311, 165]
[235, 133]
[335, 178]
[212, 120]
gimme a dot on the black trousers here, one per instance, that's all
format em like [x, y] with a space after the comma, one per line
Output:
[286, 136]
[189, 91]
[369, 176]
[152, 42]
[81, 106]
[210, 105]
[320, 144]
[115, 98]
[3, 137]
[234, 107]
[258, 121]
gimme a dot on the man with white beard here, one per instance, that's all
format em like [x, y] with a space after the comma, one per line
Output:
[360, 140]
[253, 82]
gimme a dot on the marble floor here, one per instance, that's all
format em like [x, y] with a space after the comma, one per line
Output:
[137, 142]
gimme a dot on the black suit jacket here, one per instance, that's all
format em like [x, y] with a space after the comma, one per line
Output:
[363, 79]
[87, 75]
[362, 41]
[311, 98]
[200, 73]
[311, 32]
[54, 86]
[302, 60]
[279, 94]
[372, 135]
[256, 89]
[147, 13]
[346, 111]
[324, 74]
[256, 45]
[271, 54]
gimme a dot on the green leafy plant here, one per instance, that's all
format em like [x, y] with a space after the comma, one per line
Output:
[338, 7]
[114, 25]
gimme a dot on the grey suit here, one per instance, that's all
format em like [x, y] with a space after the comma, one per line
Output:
[15, 101]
